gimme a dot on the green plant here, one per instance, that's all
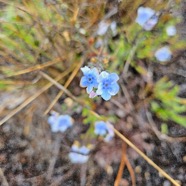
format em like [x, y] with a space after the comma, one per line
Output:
[167, 105]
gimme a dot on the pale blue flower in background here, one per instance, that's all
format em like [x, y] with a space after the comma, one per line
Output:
[171, 30]
[90, 78]
[163, 54]
[60, 123]
[149, 25]
[108, 85]
[53, 118]
[104, 129]
[113, 27]
[100, 128]
[79, 154]
[146, 18]
[64, 122]
[104, 26]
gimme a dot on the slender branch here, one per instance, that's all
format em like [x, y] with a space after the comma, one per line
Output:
[122, 165]
[36, 67]
[131, 171]
[61, 87]
[66, 85]
[129, 59]
[53, 160]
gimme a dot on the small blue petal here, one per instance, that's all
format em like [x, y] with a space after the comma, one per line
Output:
[73, 157]
[100, 128]
[106, 96]
[99, 90]
[100, 132]
[60, 123]
[89, 89]
[84, 150]
[110, 134]
[75, 148]
[114, 89]
[105, 130]
[85, 70]
[52, 119]
[113, 77]
[79, 154]
[64, 120]
[83, 82]
[95, 72]
[103, 75]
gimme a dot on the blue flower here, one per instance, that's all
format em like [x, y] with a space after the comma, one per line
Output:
[146, 18]
[151, 23]
[163, 54]
[90, 78]
[104, 129]
[108, 85]
[79, 154]
[171, 30]
[60, 122]
[104, 26]
[100, 128]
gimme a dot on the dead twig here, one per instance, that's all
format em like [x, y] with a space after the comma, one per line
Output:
[83, 175]
[36, 67]
[125, 161]
[130, 58]
[61, 87]
[55, 151]
[127, 95]
[131, 171]
[122, 165]
[66, 85]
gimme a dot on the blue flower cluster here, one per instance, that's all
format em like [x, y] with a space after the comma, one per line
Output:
[105, 83]
[79, 154]
[104, 129]
[59, 123]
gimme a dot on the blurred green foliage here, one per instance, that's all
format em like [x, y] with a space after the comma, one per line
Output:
[164, 128]
[167, 105]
